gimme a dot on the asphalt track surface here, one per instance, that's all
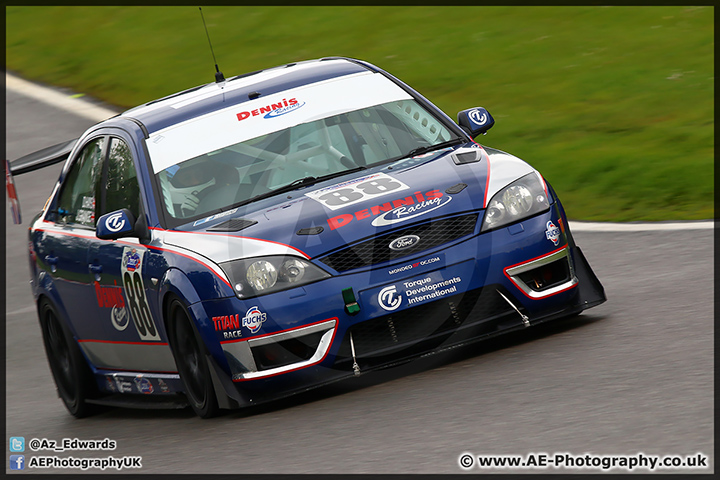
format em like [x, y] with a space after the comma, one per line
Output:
[634, 375]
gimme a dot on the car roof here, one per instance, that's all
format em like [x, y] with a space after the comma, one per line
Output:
[203, 99]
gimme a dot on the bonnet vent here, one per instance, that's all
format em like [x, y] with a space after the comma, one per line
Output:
[232, 225]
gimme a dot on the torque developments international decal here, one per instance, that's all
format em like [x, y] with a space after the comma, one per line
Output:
[254, 319]
[273, 110]
[115, 222]
[552, 233]
[389, 299]
[397, 210]
[477, 117]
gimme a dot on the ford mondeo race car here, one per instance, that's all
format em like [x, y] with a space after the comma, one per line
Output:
[258, 236]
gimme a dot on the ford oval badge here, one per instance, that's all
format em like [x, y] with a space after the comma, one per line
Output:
[406, 241]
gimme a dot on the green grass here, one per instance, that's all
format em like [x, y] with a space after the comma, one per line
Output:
[613, 104]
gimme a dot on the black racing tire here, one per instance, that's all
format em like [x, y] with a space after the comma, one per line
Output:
[73, 377]
[190, 358]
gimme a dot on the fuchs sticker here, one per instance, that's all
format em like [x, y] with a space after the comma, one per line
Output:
[131, 270]
[254, 319]
[273, 110]
[552, 233]
[357, 190]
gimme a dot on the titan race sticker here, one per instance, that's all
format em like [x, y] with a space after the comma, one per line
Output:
[357, 190]
[132, 265]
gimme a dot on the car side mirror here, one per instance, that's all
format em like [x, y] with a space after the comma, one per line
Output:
[475, 121]
[120, 224]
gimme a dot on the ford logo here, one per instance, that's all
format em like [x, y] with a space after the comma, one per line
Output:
[406, 241]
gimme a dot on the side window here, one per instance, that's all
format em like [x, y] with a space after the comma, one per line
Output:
[77, 199]
[121, 189]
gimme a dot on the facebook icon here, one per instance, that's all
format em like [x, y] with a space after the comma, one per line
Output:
[17, 462]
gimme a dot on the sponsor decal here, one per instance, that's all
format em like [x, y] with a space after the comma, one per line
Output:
[109, 297]
[115, 222]
[422, 290]
[404, 213]
[254, 319]
[225, 322]
[122, 385]
[214, 217]
[144, 385]
[228, 322]
[396, 210]
[232, 334]
[119, 318]
[136, 299]
[273, 110]
[478, 118]
[552, 233]
[406, 241]
[410, 266]
[109, 384]
[163, 386]
[416, 291]
[389, 299]
[357, 190]
[131, 259]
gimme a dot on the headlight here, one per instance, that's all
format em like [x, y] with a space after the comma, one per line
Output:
[257, 276]
[521, 199]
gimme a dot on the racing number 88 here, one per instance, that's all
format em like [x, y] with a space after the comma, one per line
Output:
[348, 195]
[138, 305]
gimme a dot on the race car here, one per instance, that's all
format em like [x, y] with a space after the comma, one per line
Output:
[261, 235]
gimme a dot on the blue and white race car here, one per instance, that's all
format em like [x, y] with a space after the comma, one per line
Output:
[258, 236]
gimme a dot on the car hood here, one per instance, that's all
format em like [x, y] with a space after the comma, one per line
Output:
[315, 220]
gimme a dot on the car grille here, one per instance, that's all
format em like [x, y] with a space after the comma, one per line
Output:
[377, 249]
[426, 327]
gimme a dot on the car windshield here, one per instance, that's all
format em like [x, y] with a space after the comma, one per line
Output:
[297, 155]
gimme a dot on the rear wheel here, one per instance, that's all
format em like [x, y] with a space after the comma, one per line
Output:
[190, 359]
[73, 378]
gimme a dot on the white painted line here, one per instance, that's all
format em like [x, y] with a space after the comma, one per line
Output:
[52, 97]
[640, 227]
[96, 113]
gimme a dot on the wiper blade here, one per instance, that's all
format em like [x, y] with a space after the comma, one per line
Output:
[429, 148]
[302, 182]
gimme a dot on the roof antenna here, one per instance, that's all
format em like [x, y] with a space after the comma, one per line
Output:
[219, 77]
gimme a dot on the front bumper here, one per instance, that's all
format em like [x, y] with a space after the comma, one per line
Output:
[478, 287]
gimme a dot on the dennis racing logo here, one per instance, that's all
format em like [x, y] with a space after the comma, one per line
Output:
[273, 110]
[254, 319]
[403, 213]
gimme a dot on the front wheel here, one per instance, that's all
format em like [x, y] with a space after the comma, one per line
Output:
[73, 378]
[191, 362]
